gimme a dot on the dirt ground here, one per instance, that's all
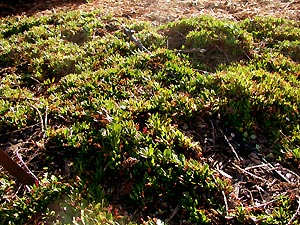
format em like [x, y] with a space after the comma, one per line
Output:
[160, 11]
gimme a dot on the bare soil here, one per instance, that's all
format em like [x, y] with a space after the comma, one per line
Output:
[160, 11]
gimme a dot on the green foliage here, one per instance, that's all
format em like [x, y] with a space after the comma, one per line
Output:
[281, 213]
[274, 29]
[253, 97]
[25, 209]
[225, 35]
[119, 112]
[275, 33]
[208, 38]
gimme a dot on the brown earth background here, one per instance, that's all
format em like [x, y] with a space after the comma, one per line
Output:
[160, 11]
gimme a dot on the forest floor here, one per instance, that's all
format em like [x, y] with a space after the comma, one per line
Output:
[161, 11]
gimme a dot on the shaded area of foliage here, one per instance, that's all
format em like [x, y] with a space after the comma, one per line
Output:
[113, 120]
[30, 7]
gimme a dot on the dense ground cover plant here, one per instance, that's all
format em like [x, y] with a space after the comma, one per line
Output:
[119, 130]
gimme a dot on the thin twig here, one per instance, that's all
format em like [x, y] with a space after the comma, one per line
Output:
[15, 169]
[135, 40]
[20, 130]
[202, 71]
[296, 213]
[259, 191]
[40, 115]
[223, 53]
[16, 98]
[192, 50]
[26, 167]
[251, 174]
[224, 174]
[175, 211]
[225, 201]
[251, 196]
[224, 198]
[262, 205]
[246, 55]
[230, 145]
[46, 120]
[276, 171]
[36, 80]
[256, 166]
[213, 131]
[17, 192]
[292, 172]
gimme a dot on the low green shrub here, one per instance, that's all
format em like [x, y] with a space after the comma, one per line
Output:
[122, 115]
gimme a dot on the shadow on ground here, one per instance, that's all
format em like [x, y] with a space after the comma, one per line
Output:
[30, 7]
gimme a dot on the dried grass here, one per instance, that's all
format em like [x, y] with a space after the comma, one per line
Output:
[161, 11]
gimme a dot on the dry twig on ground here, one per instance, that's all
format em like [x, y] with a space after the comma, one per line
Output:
[130, 34]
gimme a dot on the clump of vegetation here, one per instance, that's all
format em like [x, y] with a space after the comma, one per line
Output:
[209, 40]
[123, 136]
